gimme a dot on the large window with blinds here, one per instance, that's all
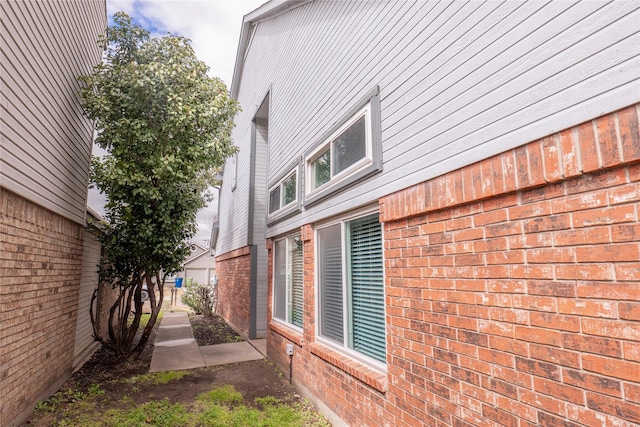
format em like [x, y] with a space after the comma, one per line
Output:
[351, 286]
[288, 280]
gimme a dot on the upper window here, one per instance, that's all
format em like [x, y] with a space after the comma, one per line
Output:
[288, 274]
[351, 286]
[349, 152]
[347, 148]
[284, 193]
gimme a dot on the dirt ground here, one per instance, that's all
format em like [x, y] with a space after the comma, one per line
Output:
[252, 379]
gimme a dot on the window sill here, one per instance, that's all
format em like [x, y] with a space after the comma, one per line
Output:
[283, 213]
[333, 187]
[289, 333]
[364, 373]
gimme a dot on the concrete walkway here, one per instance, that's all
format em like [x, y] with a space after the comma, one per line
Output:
[175, 348]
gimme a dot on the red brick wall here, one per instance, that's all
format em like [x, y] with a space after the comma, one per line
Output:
[512, 293]
[40, 267]
[234, 276]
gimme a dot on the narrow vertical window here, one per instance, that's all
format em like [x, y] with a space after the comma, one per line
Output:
[288, 282]
[366, 287]
[280, 280]
[296, 281]
[330, 283]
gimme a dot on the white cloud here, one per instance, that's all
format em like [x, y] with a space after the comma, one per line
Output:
[212, 25]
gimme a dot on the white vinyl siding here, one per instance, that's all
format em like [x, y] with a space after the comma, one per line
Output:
[459, 81]
[351, 286]
[46, 140]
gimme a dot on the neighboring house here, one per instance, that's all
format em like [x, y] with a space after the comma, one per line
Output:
[441, 201]
[47, 259]
[200, 266]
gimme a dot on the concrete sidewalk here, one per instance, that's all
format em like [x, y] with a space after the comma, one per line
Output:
[175, 348]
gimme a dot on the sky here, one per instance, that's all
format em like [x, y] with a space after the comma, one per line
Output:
[214, 29]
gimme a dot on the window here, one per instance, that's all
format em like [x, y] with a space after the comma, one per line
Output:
[346, 148]
[288, 280]
[349, 152]
[284, 193]
[351, 286]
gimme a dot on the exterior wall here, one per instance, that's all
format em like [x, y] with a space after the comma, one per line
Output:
[85, 345]
[234, 203]
[512, 293]
[40, 266]
[234, 276]
[45, 144]
[459, 81]
[46, 140]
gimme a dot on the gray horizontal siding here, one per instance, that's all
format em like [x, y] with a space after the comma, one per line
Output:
[459, 81]
[234, 204]
[260, 217]
[46, 141]
[260, 187]
[261, 291]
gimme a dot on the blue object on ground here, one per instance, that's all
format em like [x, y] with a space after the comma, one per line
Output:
[178, 282]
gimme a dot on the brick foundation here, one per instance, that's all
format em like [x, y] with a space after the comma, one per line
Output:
[512, 293]
[40, 267]
[234, 276]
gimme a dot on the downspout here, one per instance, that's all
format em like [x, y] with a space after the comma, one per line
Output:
[253, 275]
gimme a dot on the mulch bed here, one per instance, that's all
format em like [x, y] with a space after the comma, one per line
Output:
[212, 330]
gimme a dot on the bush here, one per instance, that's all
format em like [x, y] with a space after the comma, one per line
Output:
[200, 298]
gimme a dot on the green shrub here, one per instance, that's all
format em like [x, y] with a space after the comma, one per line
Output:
[200, 298]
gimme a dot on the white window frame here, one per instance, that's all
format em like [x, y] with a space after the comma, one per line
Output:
[288, 321]
[369, 108]
[291, 204]
[343, 348]
[328, 145]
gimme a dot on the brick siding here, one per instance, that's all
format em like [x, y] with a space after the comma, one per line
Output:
[512, 293]
[234, 277]
[40, 267]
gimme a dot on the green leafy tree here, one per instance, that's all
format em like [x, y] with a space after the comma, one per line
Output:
[166, 126]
